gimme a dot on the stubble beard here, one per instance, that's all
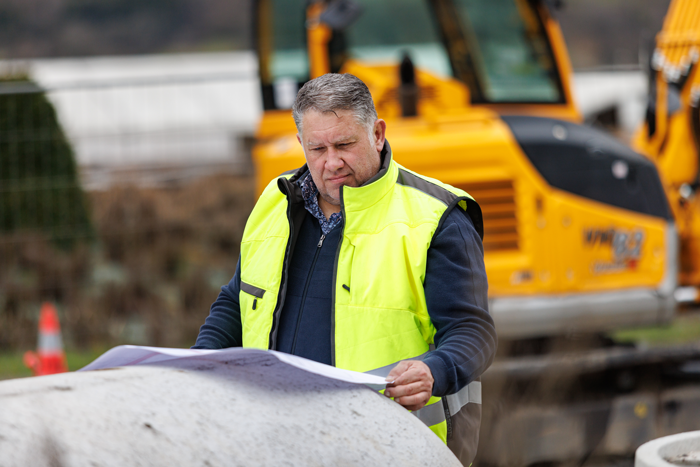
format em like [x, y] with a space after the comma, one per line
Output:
[329, 199]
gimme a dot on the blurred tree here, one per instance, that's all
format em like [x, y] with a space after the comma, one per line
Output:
[39, 186]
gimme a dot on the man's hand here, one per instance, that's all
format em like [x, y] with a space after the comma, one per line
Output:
[413, 384]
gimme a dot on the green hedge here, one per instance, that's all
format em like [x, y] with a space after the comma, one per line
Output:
[39, 185]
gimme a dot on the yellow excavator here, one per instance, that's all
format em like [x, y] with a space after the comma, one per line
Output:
[579, 235]
[583, 234]
[670, 136]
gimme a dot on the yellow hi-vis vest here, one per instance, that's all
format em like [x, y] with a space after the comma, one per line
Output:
[379, 314]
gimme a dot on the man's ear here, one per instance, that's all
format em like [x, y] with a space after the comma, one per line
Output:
[379, 134]
[299, 139]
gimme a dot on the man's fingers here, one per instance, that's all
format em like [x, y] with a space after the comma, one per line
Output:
[413, 396]
[409, 372]
[413, 403]
[399, 369]
[408, 390]
[413, 375]
[412, 384]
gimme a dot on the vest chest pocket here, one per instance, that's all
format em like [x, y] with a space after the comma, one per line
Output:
[256, 292]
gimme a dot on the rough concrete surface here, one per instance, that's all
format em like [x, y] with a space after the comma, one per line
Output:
[250, 412]
[669, 451]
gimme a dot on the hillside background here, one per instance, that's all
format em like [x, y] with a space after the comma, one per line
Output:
[598, 32]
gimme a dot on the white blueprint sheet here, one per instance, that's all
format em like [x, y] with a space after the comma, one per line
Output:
[127, 355]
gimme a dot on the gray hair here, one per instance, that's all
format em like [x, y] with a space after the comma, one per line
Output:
[332, 92]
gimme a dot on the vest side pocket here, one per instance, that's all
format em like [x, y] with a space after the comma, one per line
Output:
[256, 315]
[256, 292]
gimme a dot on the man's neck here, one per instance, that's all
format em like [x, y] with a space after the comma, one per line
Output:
[327, 208]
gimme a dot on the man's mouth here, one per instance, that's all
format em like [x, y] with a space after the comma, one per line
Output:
[338, 178]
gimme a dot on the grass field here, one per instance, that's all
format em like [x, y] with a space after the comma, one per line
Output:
[683, 330]
[12, 366]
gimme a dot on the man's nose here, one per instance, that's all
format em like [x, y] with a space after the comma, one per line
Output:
[334, 160]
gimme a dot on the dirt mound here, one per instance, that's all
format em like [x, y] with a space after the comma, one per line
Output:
[158, 261]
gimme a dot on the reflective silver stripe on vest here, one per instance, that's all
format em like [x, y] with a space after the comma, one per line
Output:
[431, 414]
[435, 413]
[470, 394]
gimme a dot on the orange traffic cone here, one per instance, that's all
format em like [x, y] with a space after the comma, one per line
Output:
[50, 358]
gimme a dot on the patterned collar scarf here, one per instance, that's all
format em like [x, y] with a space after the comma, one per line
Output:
[310, 194]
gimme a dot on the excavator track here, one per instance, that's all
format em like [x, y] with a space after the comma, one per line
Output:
[588, 407]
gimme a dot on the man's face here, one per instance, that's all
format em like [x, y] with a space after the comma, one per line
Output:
[339, 151]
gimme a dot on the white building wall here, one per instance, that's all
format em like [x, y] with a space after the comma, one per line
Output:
[154, 111]
[193, 111]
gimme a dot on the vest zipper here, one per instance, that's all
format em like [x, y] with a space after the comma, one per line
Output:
[335, 275]
[306, 289]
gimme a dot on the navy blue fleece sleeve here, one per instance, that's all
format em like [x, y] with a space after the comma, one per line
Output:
[222, 328]
[456, 294]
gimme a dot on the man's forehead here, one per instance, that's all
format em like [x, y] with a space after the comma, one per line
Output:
[340, 125]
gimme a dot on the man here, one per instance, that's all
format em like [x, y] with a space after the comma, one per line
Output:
[356, 262]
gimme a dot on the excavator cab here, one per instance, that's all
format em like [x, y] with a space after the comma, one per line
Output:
[509, 53]
[579, 235]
